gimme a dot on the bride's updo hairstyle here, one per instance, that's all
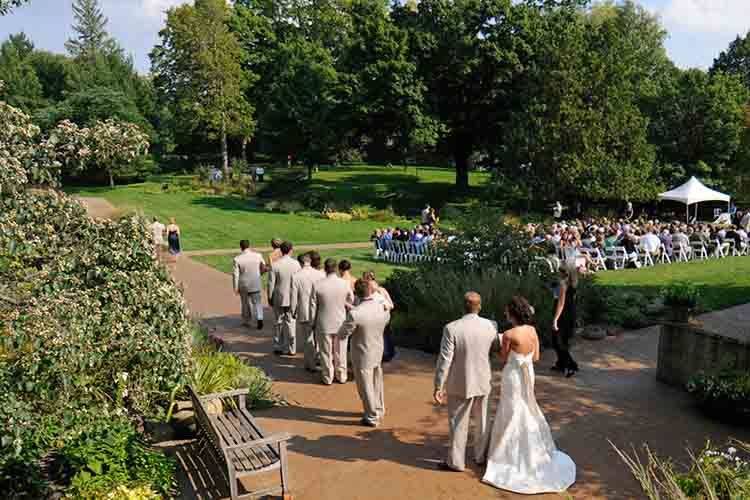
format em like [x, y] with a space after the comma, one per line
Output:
[520, 310]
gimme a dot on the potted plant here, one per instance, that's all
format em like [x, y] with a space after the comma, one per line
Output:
[681, 300]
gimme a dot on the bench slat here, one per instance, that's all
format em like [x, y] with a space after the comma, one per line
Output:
[252, 434]
[242, 437]
[244, 461]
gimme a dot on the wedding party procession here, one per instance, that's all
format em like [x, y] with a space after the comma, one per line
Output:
[373, 250]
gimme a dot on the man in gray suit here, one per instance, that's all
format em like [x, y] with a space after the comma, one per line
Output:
[365, 325]
[248, 268]
[464, 374]
[328, 302]
[302, 287]
[280, 296]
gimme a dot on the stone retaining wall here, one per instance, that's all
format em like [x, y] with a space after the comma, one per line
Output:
[685, 349]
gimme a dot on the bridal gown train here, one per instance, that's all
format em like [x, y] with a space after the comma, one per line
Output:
[522, 457]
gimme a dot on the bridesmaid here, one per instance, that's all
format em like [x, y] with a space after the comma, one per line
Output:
[173, 237]
[564, 324]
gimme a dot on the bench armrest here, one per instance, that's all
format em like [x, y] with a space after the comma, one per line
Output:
[228, 394]
[272, 439]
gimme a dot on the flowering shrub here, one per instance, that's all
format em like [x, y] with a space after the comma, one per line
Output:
[721, 474]
[725, 393]
[90, 324]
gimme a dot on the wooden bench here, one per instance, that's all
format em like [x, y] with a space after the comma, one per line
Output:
[236, 442]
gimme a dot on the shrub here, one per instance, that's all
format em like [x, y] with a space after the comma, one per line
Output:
[338, 216]
[204, 172]
[109, 455]
[237, 168]
[384, 215]
[430, 297]
[272, 206]
[724, 394]
[221, 371]
[681, 295]
[291, 207]
[713, 474]
[362, 212]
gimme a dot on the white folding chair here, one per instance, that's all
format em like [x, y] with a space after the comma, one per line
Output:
[664, 256]
[595, 257]
[645, 257]
[683, 252]
[699, 250]
[719, 249]
[619, 256]
[731, 248]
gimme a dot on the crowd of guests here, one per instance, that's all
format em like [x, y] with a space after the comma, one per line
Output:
[423, 233]
[571, 239]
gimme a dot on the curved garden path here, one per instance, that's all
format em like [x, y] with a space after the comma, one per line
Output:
[615, 397]
[98, 207]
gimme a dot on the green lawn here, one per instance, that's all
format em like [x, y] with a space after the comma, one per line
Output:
[218, 221]
[361, 260]
[724, 282]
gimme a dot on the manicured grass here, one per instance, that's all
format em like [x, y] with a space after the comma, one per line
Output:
[361, 260]
[724, 283]
[211, 221]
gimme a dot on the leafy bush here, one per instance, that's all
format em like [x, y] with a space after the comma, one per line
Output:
[238, 168]
[362, 212]
[291, 207]
[272, 206]
[430, 297]
[136, 493]
[724, 394]
[110, 454]
[713, 474]
[221, 371]
[384, 215]
[338, 216]
[628, 308]
[681, 295]
[204, 172]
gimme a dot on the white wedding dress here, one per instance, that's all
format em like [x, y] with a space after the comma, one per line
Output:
[522, 457]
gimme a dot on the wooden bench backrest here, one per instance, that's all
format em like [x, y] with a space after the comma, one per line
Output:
[204, 421]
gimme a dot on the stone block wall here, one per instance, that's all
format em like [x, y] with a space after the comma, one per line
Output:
[685, 349]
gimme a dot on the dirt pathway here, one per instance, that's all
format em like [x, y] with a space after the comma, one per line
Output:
[615, 397]
[98, 207]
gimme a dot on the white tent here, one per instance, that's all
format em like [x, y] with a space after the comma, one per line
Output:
[693, 192]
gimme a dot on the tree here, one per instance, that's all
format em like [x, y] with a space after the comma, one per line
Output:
[91, 30]
[22, 87]
[466, 57]
[7, 5]
[735, 60]
[197, 70]
[113, 145]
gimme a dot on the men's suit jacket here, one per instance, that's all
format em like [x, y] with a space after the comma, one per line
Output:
[246, 275]
[280, 281]
[463, 367]
[328, 303]
[302, 288]
[366, 324]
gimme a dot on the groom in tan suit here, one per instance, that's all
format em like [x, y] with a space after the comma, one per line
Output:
[464, 374]
[302, 288]
[366, 323]
[280, 297]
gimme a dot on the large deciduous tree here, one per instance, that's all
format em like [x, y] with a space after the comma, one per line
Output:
[198, 70]
[735, 60]
[22, 86]
[7, 5]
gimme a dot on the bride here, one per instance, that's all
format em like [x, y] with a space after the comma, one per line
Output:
[522, 456]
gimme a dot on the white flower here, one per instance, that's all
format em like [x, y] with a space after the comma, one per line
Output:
[732, 450]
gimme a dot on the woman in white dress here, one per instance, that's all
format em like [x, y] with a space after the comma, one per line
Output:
[522, 457]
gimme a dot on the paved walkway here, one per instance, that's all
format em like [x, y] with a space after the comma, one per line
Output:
[615, 397]
[300, 248]
[98, 207]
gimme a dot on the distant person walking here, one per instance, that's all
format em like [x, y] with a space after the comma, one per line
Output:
[564, 323]
[280, 296]
[247, 270]
[557, 210]
[173, 237]
[157, 236]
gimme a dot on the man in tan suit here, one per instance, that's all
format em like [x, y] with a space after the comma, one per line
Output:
[248, 267]
[302, 287]
[365, 324]
[280, 296]
[328, 306]
[464, 374]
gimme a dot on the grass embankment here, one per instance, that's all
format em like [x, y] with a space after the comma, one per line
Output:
[724, 283]
[210, 221]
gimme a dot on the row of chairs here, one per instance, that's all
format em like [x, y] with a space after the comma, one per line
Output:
[620, 258]
[404, 252]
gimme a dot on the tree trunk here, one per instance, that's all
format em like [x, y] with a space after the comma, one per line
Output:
[111, 179]
[224, 149]
[461, 157]
[244, 148]
[310, 172]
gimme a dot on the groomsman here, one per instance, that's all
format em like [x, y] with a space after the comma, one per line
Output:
[248, 267]
[463, 372]
[302, 288]
[328, 303]
[280, 296]
[365, 324]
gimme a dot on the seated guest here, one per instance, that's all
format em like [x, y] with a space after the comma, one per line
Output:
[733, 235]
[679, 238]
[650, 243]
[666, 240]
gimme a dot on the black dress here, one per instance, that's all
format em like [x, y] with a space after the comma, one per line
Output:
[566, 326]
[173, 238]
